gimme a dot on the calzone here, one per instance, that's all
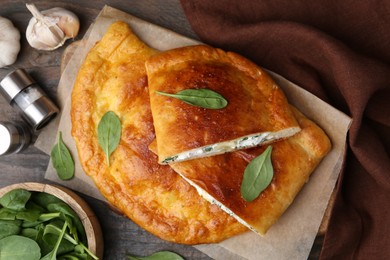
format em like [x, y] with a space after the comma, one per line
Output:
[255, 104]
[113, 78]
[218, 178]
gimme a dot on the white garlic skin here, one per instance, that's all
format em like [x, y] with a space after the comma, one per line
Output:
[68, 22]
[41, 37]
[9, 42]
[51, 28]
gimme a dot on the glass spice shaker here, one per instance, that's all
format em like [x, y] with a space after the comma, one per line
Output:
[22, 92]
[14, 137]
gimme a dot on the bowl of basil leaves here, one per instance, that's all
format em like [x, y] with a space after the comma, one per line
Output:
[43, 221]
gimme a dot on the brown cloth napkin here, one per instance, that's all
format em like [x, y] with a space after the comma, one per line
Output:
[339, 51]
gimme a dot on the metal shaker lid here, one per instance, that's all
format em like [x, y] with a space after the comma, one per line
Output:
[14, 83]
[40, 113]
[13, 138]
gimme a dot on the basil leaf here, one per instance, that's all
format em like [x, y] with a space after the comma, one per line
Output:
[162, 255]
[73, 224]
[52, 232]
[202, 97]
[7, 214]
[52, 255]
[15, 199]
[109, 133]
[18, 247]
[28, 215]
[257, 175]
[31, 205]
[8, 228]
[43, 199]
[74, 256]
[56, 232]
[49, 216]
[90, 254]
[62, 160]
[31, 233]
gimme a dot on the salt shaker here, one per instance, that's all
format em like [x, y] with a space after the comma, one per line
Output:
[22, 92]
[14, 137]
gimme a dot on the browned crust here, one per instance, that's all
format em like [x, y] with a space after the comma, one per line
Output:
[256, 103]
[113, 77]
[293, 159]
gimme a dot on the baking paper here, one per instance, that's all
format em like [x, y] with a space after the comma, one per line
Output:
[293, 235]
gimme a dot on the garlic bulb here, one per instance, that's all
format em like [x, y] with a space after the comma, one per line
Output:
[49, 29]
[9, 42]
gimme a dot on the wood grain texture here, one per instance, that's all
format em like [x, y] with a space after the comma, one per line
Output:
[82, 209]
[121, 236]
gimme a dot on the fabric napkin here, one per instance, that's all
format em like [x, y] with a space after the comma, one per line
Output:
[340, 52]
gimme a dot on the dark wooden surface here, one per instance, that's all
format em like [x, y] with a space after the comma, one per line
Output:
[121, 236]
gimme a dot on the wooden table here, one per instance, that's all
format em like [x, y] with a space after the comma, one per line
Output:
[121, 236]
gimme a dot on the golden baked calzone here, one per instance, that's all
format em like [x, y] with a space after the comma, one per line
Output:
[255, 104]
[218, 178]
[113, 78]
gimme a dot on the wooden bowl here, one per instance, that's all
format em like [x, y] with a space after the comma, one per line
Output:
[85, 213]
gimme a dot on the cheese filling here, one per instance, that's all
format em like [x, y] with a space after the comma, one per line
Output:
[244, 142]
[212, 200]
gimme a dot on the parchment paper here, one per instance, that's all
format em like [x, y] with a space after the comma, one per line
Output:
[293, 235]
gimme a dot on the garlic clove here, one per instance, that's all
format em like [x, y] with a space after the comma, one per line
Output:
[9, 42]
[43, 37]
[67, 21]
[49, 29]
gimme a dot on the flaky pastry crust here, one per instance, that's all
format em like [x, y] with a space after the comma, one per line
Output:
[293, 160]
[113, 78]
[255, 102]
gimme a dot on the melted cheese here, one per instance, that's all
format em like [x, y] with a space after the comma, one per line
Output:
[212, 200]
[244, 142]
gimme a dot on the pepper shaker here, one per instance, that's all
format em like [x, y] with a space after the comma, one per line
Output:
[22, 92]
[14, 137]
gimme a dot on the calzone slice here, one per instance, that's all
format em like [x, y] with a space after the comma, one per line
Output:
[218, 178]
[255, 104]
[113, 78]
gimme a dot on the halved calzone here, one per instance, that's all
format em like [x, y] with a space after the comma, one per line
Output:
[255, 104]
[218, 178]
[113, 78]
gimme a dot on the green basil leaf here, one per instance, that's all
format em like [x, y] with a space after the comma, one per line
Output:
[109, 133]
[202, 97]
[31, 205]
[31, 233]
[162, 255]
[52, 232]
[28, 215]
[51, 229]
[7, 214]
[75, 223]
[43, 199]
[72, 228]
[18, 247]
[79, 249]
[8, 228]
[49, 216]
[74, 256]
[33, 224]
[257, 175]
[47, 221]
[90, 254]
[15, 199]
[62, 160]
